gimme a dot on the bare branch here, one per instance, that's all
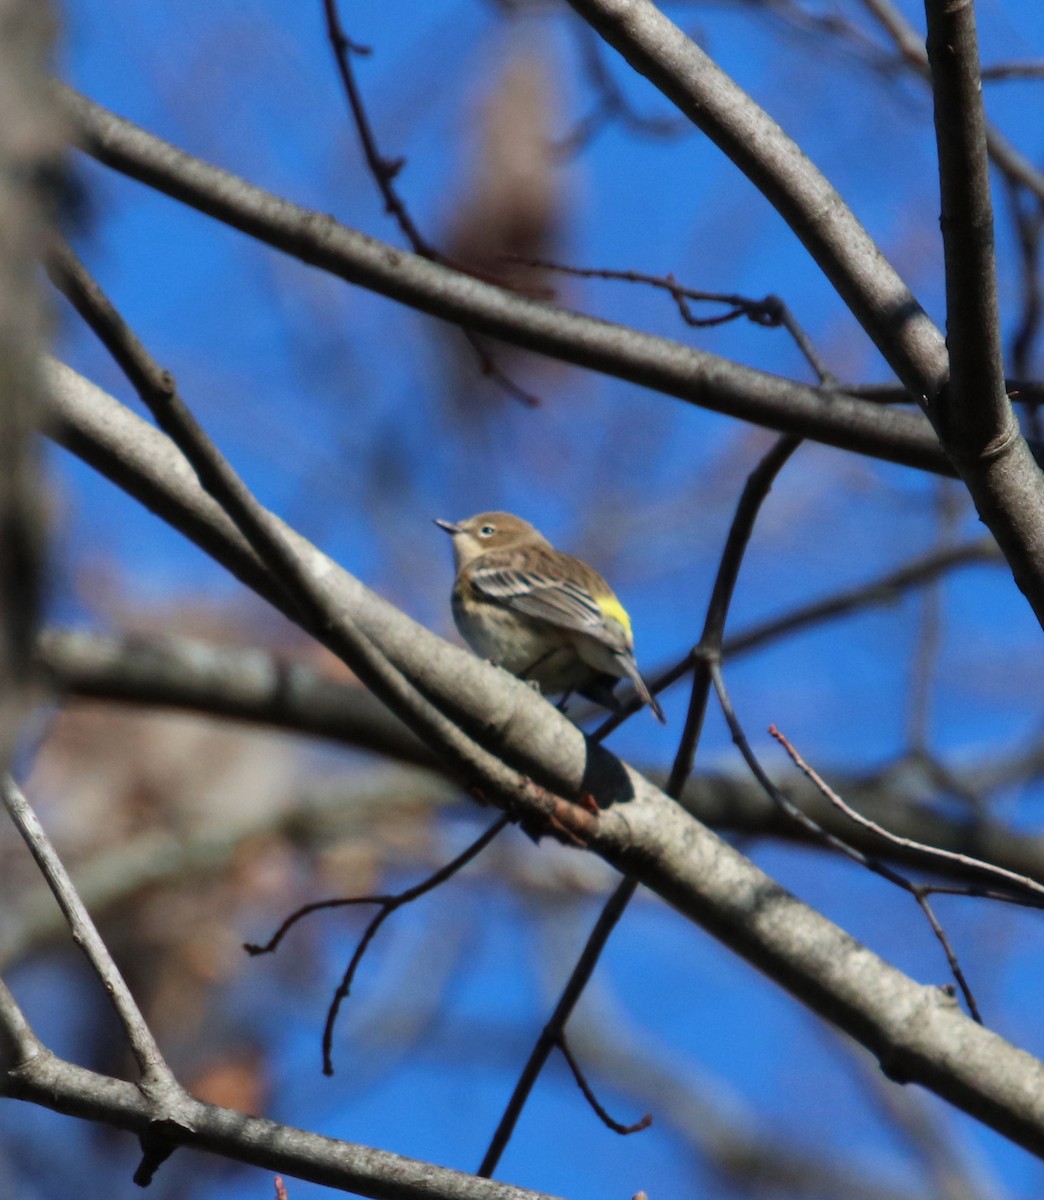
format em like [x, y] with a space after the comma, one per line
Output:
[1028, 220]
[653, 362]
[770, 312]
[599, 1109]
[246, 684]
[156, 1077]
[108, 880]
[347, 1166]
[754, 492]
[1029, 69]
[886, 589]
[386, 906]
[581, 973]
[973, 409]
[656, 48]
[18, 1043]
[384, 171]
[1009, 879]
[870, 861]
[1016, 167]
[306, 596]
[257, 686]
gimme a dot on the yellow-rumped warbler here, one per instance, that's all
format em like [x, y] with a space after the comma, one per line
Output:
[540, 614]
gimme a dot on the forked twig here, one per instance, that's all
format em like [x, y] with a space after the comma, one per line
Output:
[387, 905]
[611, 104]
[1000, 875]
[815, 830]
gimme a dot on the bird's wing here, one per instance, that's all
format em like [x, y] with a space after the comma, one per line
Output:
[557, 601]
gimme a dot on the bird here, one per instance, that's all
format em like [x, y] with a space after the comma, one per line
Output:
[541, 614]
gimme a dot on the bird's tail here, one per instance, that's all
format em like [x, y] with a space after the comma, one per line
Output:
[641, 687]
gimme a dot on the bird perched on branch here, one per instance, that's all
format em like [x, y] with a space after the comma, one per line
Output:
[542, 615]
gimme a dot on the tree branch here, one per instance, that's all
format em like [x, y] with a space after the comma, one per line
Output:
[156, 1077]
[1004, 481]
[262, 687]
[654, 362]
[347, 1166]
[974, 408]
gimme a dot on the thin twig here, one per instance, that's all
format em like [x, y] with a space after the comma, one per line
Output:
[911, 46]
[387, 905]
[581, 1082]
[384, 172]
[1028, 220]
[928, 636]
[886, 589]
[711, 645]
[770, 312]
[1000, 72]
[1001, 875]
[814, 829]
[611, 103]
[549, 1036]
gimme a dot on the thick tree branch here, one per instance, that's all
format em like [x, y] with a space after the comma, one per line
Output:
[254, 686]
[653, 362]
[974, 408]
[144, 463]
[973, 413]
[64, 1087]
[227, 681]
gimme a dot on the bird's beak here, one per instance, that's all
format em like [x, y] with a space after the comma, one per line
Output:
[447, 525]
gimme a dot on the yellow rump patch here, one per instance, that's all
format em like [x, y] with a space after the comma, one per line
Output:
[615, 611]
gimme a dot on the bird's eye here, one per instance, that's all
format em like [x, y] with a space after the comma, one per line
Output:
[487, 531]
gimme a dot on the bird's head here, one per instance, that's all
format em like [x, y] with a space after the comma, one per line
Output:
[489, 531]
